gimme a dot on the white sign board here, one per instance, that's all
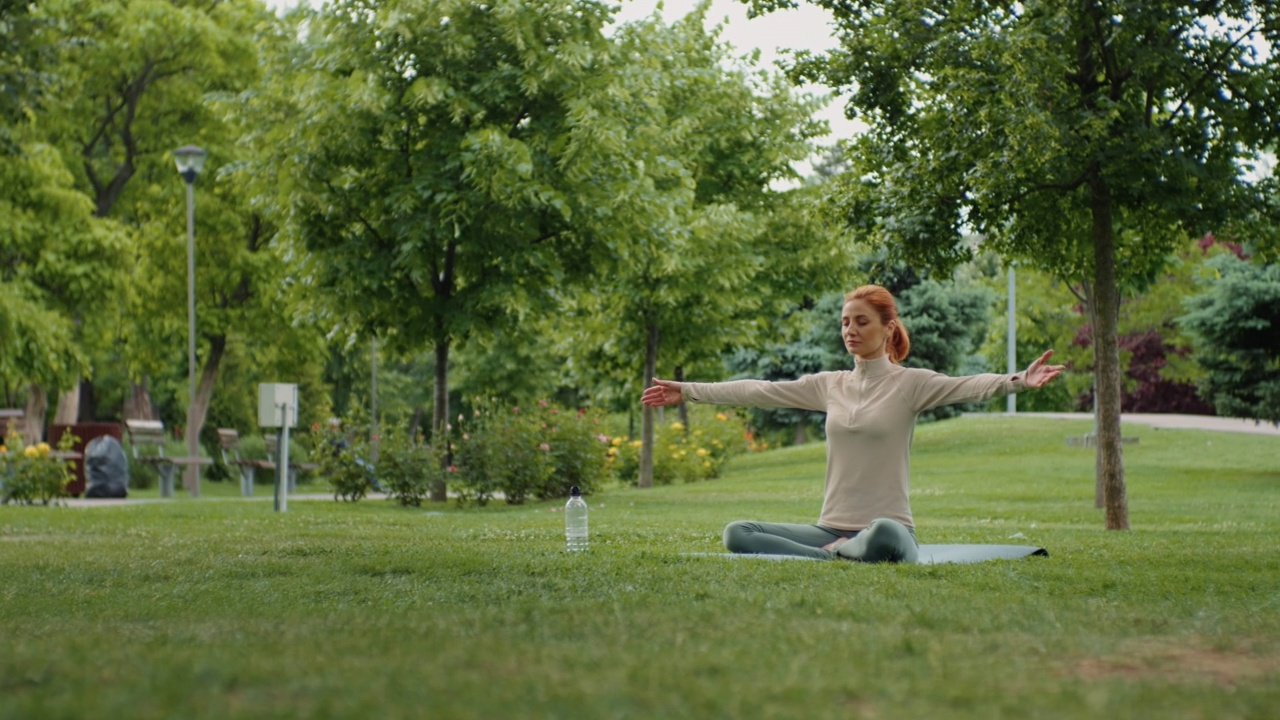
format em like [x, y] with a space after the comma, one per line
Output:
[273, 399]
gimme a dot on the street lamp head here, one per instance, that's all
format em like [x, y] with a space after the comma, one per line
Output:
[190, 160]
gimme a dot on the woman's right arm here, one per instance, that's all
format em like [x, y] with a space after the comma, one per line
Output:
[807, 393]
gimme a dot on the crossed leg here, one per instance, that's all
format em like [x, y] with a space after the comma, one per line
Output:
[884, 540]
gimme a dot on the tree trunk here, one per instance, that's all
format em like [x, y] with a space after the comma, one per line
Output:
[33, 419]
[68, 412]
[646, 424]
[137, 404]
[440, 415]
[1106, 349]
[199, 409]
[683, 407]
[802, 435]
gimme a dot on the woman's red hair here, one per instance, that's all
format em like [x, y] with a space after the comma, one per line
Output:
[899, 343]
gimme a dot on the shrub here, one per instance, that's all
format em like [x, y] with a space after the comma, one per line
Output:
[29, 474]
[407, 466]
[687, 455]
[520, 453]
[338, 462]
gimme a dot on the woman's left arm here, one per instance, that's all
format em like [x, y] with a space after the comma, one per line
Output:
[933, 389]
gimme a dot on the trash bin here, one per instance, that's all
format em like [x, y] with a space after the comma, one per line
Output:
[84, 432]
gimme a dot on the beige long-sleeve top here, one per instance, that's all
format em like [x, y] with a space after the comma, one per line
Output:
[871, 414]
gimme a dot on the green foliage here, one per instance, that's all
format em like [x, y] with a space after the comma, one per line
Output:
[28, 474]
[340, 463]
[684, 455]
[1048, 317]
[525, 452]
[1235, 323]
[407, 466]
[702, 251]
[1017, 121]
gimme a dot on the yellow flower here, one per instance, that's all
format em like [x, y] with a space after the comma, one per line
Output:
[721, 416]
[44, 449]
[30, 451]
[636, 443]
[4, 449]
[613, 451]
[617, 441]
[706, 464]
[677, 426]
[704, 452]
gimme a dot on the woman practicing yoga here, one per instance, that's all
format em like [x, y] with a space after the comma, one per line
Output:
[871, 413]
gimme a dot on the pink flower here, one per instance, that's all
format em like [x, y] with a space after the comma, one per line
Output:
[516, 409]
[453, 468]
[603, 438]
[544, 447]
[542, 403]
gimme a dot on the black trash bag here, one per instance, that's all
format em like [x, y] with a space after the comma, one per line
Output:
[106, 469]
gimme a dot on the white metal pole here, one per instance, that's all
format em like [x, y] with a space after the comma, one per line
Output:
[1012, 337]
[282, 461]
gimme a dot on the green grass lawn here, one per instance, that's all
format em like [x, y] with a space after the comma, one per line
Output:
[218, 607]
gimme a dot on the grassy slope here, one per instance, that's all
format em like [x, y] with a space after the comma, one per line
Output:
[216, 608]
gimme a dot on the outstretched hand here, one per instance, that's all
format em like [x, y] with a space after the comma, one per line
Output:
[1039, 374]
[663, 393]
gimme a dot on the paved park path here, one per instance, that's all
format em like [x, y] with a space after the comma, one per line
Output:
[1162, 421]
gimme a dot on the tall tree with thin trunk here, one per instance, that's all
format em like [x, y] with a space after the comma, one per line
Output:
[132, 80]
[703, 248]
[1088, 138]
[449, 155]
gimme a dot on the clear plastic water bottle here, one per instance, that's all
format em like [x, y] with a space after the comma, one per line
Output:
[575, 521]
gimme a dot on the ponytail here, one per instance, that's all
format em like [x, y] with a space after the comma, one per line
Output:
[899, 343]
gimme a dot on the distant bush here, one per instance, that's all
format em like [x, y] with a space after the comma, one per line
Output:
[339, 461]
[539, 452]
[30, 474]
[407, 466]
[691, 454]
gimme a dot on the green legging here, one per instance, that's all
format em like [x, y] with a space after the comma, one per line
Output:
[884, 540]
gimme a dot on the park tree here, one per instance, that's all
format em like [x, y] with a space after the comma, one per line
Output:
[132, 79]
[450, 154]
[57, 260]
[704, 253]
[1234, 320]
[1087, 138]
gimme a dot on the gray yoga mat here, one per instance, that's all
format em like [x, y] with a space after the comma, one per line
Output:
[929, 554]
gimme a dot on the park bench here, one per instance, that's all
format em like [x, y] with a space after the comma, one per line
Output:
[272, 452]
[152, 432]
[229, 441]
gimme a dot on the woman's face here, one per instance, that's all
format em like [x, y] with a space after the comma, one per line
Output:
[862, 330]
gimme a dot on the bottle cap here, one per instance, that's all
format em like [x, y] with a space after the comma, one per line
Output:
[574, 491]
